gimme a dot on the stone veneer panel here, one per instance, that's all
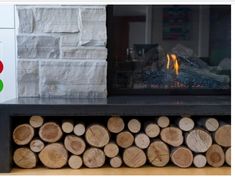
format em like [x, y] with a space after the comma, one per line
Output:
[28, 78]
[73, 78]
[56, 20]
[65, 47]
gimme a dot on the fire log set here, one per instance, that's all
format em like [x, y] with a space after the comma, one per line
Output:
[183, 141]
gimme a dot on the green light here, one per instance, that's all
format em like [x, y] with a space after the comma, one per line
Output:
[1, 85]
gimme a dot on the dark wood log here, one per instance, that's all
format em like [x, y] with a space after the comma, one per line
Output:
[134, 157]
[93, 158]
[54, 156]
[25, 158]
[23, 134]
[97, 135]
[158, 154]
[182, 157]
[215, 156]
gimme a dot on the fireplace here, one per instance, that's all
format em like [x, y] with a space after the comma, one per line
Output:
[89, 64]
[165, 49]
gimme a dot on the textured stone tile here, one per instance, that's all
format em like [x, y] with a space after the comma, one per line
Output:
[84, 53]
[70, 40]
[28, 78]
[69, 78]
[30, 47]
[26, 20]
[57, 19]
[91, 13]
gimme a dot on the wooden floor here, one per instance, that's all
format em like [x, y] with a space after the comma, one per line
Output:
[125, 171]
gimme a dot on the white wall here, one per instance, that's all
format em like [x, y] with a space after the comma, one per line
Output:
[7, 52]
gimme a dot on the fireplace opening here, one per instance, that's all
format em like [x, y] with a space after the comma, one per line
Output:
[167, 49]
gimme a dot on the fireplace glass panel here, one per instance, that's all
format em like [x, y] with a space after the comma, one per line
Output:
[166, 47]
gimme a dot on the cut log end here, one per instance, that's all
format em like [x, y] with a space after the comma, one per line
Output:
[212, 124]
[115, 124]
[36, 121]
[172, 136]
[186, 124]
[24, 158]
[54, 156]
[182, 157]
[111, 150]
[215, 156]
[163, 121]
[75, 162]
[74, 144]
[93, 158]
[23, 134]
[36, 145]
[125, 139]
[79, 129]
[152, 130]
[134, 125]
[142, 141]
[134, 157]
[199, 161]
[199, 140]
[116, 162]
[97, 135]
[67, 126]
[223, 136]
[50, 132]
[158, 154]
[228, 156]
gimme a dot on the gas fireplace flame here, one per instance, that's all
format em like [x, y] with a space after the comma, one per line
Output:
[172, 59]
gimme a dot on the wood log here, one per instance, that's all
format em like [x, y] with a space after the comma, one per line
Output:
[67, 126]
[24, 158]
[158, 154]
[163, 121]
[228, 156]
[111, 150]
[172, 136]
[134, 157]
[211, 124]
[182, 157]
[93, 158]
[116, 162]
[198, 140]
[134, 125]
[50, 132]
[115, 124]
[36, 121]
[215, 156]
[97, 135]
[79, 129]
[152, 130]
[23, 134]
[74, 144]
[199, 160]
[36, 145]
[75, 162]
[54, 156]
[186, 124]
[223, 136]
[125, 139]
[142, 141]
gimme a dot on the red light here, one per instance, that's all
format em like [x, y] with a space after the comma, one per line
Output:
[1, 66]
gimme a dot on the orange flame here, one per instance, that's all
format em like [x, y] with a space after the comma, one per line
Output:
[173, 58]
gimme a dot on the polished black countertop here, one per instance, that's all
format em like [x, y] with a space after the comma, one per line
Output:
[121, 105]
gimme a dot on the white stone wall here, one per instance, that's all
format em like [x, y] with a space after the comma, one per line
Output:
[62, 51]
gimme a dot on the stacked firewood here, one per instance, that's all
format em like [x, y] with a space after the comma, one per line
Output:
[182, 141]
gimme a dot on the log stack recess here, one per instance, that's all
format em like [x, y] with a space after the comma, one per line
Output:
[122, 141]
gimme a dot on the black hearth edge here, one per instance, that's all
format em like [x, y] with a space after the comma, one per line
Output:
[117, 105]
